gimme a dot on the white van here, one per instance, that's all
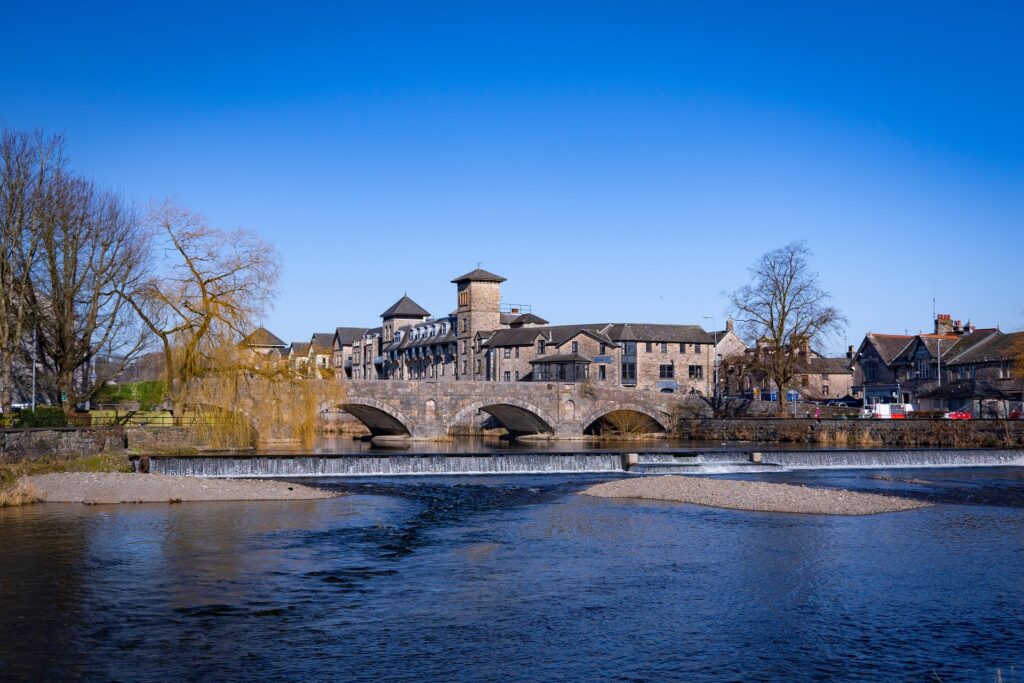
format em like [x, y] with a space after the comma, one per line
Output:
[887, 411]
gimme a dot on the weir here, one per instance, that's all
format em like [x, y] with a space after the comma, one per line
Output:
[639, 462]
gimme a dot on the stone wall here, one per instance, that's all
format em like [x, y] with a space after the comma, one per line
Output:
[33, 444]
[156, 440]
[855, 432]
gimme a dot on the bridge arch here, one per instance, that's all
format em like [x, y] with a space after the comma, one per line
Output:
[660, 418]
[517, 416]
[379, 417]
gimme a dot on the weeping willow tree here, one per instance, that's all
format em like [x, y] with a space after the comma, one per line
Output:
[208, 288]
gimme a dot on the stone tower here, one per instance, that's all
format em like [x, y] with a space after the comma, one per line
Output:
[479, 310]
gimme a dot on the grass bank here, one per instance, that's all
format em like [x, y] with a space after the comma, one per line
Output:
[15, 492]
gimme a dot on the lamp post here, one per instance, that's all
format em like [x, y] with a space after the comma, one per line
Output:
[714, 360]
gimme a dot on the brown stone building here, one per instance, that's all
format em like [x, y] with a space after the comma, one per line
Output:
[484, 340]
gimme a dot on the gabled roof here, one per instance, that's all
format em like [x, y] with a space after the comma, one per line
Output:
[888, 346]
[528, 319]
[322, 342]
[478, 275]
[933, 342]
[968, 389]
[561, 358]
[345, 336]
[299, 349]
[557, 335]
[405, 308]
[995, 348]
[261, 336]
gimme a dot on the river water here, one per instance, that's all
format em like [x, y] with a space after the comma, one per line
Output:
[517, 578]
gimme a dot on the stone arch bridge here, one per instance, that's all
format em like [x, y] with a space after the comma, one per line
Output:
[430, 410]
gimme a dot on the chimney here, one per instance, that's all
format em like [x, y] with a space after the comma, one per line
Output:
[969, 329]
[850, 353]
[728, 325]
[943, 323]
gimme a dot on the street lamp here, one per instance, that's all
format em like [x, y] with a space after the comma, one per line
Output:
[714, 322]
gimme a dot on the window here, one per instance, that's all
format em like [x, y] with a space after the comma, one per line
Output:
[604, 349]
[465, 324]
[824, 378]
[629, 373]
[601, 373]
[664, 347]
[541, 345]
[465, 367]
[824, 390]
[517, 352]
[464, 297]
[517, 375]
[508, 376]
[696, 348]
[666, 371]
[871, 371]
[805, 381]
[682, 348]
[696, 372]
[463, 345]
[650, 347]
[478, 367]
[575, 347]
[507, 353]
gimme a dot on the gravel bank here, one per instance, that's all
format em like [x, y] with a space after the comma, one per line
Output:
[752, 495]
[111, 487]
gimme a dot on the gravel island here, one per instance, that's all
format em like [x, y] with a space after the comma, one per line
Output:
[112, 487]
[752, 495]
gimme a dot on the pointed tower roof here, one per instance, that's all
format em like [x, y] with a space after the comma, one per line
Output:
[405, 308]
[479, 275]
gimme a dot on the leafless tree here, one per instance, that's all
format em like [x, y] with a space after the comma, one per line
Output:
[782, 310]
[28, 163]
[205, 294]
[91, 247]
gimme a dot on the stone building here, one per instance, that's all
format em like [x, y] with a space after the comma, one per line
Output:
[341, 350]
[484, 340]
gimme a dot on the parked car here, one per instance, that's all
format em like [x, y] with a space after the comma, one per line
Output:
[958, 415]
[1017, 414]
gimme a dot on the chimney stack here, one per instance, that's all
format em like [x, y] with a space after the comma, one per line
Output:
[728, 324]
[943, 323]
[850, 353]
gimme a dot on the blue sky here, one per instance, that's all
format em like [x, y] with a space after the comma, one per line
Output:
[615, 161]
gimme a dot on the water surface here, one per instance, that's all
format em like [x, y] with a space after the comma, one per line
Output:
[518, 578]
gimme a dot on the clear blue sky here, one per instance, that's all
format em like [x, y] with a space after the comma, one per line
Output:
[615, 161]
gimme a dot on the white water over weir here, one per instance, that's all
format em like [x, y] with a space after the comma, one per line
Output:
[691, 462]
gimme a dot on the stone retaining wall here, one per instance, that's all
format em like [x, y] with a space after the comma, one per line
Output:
[855, 432]
[31, 444]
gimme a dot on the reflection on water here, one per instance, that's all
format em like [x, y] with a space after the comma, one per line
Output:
[516, 578]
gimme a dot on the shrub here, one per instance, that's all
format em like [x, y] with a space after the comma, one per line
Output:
[43, 416]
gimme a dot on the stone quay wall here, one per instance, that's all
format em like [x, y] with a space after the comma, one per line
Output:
[855, 432]
[17, 445]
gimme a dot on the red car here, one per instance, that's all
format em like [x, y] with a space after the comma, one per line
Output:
[1017, 414]
[958, 415]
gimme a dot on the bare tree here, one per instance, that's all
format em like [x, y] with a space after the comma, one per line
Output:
[784, 310]
[28, 162]
[209, 288]
[91, 247]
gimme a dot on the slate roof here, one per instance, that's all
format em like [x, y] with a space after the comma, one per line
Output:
[931, 342]
[888, 345]
[968, 342]
[561, 358]
[557, 334]
[504, 318]
[261, 336]
[528, 319]
[825, 366]
[347, 335]
[405, 308]
[994, 348]
[968, 389]
[659, 333]
[299, 349]
[322, 342]
[479, 275]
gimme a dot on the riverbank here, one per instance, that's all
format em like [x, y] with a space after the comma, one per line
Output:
[112, 487]
[752, 496]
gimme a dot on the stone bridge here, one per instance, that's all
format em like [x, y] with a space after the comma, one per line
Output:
[430, 410]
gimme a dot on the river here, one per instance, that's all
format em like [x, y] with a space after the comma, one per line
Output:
[478, 578]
